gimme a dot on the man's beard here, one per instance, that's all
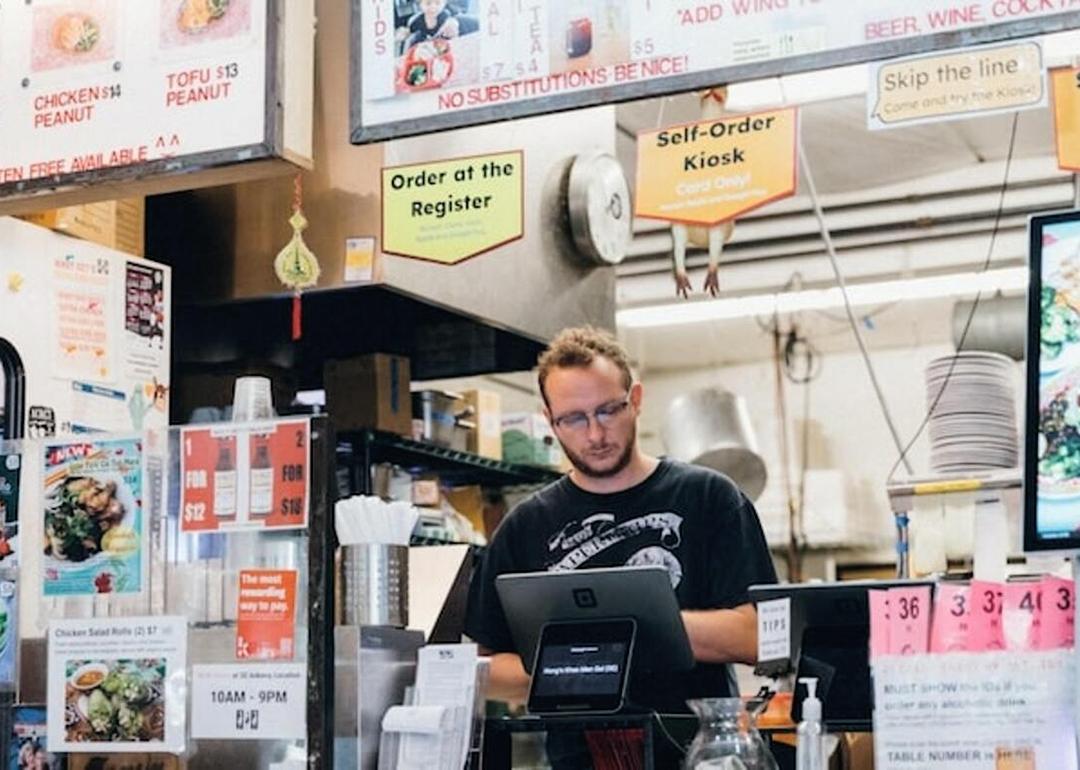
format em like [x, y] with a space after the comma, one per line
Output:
[583, 466]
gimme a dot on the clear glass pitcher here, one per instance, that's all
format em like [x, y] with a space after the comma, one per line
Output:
[727, 738]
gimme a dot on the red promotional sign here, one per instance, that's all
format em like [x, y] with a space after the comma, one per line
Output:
[266, 614]
[252, 476]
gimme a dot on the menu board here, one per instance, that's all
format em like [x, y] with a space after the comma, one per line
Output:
[1052, 446]
[462, 62]
[90, 85]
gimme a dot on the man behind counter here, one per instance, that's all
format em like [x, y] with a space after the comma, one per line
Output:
[619, 506]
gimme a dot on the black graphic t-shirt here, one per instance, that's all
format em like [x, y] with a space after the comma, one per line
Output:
[692, 520]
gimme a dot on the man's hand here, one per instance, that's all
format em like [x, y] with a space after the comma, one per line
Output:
[507, 679]
[723, 636]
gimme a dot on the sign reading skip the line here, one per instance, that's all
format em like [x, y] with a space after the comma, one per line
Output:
[709, 172]
[447, 211]
[981, 80]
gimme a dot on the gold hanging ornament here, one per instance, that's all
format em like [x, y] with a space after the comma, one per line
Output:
[296, 265]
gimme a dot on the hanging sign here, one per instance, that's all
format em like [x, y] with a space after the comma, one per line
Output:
[975, 711]
[450, 210]
[959, 84]
[92, 85]
[456, 63]
[1065, 84]
[246, 476]
[709, 172]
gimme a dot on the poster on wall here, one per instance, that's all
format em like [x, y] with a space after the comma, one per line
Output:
[83, 344]
[27, 748]
[249, 476]
[100, 84]
[93, 518]
[460, 62]
[10, 472]
[9, 630]
[117, 685]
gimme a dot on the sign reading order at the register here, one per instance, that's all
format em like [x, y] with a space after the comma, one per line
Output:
[450, 210]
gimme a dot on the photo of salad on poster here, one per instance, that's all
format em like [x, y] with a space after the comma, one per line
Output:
[26, 745]
[10, 468]
[117, 685]
[93, 509]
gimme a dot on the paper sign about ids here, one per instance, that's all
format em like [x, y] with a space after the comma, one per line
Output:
[709, 172]
[982, 80]
[450, 210]
[1065, 84]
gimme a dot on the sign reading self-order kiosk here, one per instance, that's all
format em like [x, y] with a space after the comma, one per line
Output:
[512, 58]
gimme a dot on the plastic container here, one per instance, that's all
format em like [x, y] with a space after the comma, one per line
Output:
[809, 747]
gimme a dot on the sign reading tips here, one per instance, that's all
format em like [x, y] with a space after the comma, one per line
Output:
[450, 210]
[712, 171]
[981, 80]
[1066, 85]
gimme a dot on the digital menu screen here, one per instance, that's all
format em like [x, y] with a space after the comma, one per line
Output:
[1052, 440]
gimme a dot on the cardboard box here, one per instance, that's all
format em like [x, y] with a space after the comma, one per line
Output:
[118, 224]
[527, 439]
[369, 391]
[486, 407]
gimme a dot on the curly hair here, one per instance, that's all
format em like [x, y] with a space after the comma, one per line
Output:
[579, 347]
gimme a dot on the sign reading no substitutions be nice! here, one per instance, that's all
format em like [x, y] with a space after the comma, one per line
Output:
[712, 171]
[450, 210]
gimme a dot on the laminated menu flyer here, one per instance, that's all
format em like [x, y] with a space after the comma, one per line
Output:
[117, 685]
[93, 509]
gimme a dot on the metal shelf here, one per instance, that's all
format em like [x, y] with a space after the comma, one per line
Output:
[370, 447]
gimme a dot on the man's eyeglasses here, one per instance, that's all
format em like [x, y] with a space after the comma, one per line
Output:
[605, 415]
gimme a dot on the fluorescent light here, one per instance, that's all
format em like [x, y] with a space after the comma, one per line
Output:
[876, 293]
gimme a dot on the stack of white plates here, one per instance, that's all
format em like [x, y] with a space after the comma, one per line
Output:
[973, 426]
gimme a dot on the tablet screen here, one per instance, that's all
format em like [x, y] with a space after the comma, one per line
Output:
[581, 666]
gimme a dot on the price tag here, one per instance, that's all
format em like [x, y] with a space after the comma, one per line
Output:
[774, 630]
[987, 603]
[951, 624]
[879, 623]
[909, 620]
[249, 702]
[1022, 615]
[1057, 628]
